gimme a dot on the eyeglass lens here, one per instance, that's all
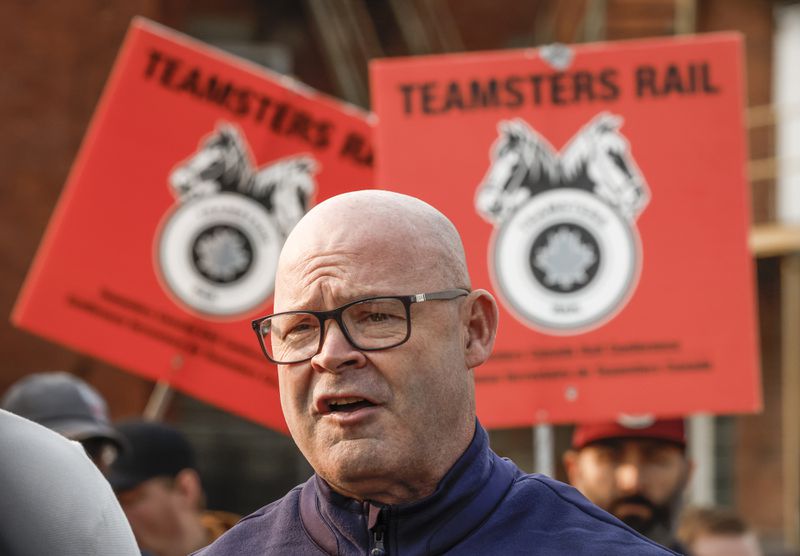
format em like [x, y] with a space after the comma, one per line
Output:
[371, 324]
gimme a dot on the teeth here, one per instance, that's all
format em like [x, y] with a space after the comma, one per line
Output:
[345, 401]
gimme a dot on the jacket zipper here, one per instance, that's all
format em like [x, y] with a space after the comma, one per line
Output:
[378, 535]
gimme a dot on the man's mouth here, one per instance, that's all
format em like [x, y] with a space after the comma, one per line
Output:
[636, 500]
[638, 512]
[347, 405]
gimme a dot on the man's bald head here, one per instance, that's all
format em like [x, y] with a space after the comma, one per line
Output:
[400, 230]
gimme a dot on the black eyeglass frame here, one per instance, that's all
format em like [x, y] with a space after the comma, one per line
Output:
[336, 315]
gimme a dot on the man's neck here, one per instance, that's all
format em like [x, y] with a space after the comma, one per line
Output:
[394, 489]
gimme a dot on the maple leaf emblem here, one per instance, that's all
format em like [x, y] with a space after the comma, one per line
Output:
[222, 254]
[565, 259]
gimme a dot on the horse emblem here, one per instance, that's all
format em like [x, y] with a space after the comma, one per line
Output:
[565, 253]
[219, 246]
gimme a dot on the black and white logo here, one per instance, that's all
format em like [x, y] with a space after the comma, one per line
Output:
[219, 245]
[565, 254]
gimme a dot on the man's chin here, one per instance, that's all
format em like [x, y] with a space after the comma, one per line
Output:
[637, 522]
[354, 457]
[357, 474]
[639, 517]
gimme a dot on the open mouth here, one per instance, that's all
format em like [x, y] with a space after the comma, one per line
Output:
[347, 405]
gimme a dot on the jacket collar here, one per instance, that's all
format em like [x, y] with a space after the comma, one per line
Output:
[466, 495]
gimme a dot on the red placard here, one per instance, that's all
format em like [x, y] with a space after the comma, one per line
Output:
[164, 243]
[601, 195]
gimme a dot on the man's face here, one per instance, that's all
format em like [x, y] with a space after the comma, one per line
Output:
[156, 511]
[638, 481]
[408, 404]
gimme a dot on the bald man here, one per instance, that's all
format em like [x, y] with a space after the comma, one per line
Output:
[376, 333]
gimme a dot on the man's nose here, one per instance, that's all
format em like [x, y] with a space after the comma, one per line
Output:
[336, 353]
[629, 477]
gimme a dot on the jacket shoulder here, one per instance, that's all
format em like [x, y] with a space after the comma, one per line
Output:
[572, 521]
[274, 529]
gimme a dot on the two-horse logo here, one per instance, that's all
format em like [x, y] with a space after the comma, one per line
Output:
[565, 254]
[219, 246]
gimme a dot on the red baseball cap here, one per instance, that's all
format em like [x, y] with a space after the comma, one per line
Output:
[668, 430]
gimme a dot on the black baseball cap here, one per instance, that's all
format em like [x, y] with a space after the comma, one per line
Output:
[154, 450]
[64, 403]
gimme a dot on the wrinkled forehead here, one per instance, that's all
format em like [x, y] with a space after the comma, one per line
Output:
[372, 244]
[368, 248]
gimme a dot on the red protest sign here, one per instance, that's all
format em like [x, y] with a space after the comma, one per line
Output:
[600, 191]
[164, 243]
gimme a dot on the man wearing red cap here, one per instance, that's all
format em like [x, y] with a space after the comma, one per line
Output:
[636, 470]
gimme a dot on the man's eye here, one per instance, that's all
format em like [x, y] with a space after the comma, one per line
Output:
[299, 329]
[606, 453]
[294, 328]
[660, 456]
[379, 317]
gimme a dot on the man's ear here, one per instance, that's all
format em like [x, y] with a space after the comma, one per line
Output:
[570, 459]
[188, 485]
[481, 327]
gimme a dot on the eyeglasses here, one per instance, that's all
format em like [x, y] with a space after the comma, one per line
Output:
[369, 324]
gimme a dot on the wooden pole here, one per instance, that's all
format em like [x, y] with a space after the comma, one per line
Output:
[790, 400]
[544, 450]
[702, 452]
[159, 401]
[162, 393]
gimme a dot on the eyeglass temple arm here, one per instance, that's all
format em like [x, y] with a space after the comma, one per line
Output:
[447, 294]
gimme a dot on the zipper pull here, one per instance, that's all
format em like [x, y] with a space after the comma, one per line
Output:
[378, 528]
[377, 540]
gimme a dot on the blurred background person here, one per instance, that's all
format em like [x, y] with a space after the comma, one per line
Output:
[66, 404]
[160, 490]
[638, 474]
[716, 531]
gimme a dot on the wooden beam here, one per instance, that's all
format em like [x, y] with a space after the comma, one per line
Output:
[774, 240]
[790, 397]
[685, 17]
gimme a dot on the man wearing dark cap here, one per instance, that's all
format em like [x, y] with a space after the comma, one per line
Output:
[636, 470]
[69, 406]
[158, 486]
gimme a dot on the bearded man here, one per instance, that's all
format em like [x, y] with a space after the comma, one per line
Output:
[637, 472]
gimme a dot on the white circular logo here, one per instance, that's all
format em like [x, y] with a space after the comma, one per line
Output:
[565, 261]
[218, 254]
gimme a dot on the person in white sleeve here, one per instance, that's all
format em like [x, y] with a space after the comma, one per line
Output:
[54, 500]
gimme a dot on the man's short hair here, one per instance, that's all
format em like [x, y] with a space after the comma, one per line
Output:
[155, 450]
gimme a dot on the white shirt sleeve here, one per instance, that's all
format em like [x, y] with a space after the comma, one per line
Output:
[53, 500]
